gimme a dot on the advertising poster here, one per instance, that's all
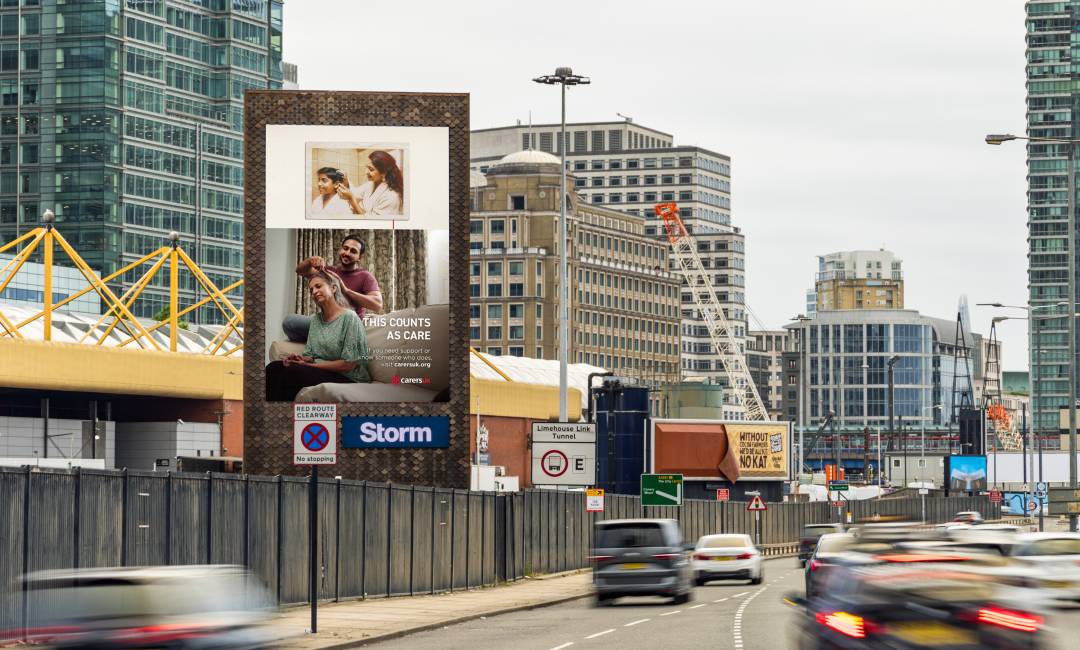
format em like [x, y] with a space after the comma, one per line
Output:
[965, 473]
[356, 294]
[362, 287]
[710, 449]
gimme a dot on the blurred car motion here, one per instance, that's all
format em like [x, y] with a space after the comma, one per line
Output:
[180, 607]
[830, 549]
[908, 598]
[1052, 560]
[809, 538]
[640, 557]
[719, 557]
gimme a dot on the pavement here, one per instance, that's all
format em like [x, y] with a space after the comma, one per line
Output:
[351, 624]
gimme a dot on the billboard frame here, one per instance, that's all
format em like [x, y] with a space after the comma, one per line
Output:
[650, 451]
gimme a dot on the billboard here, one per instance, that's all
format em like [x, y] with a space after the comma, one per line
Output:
[356, 219]
[724, 450]
[965, 473]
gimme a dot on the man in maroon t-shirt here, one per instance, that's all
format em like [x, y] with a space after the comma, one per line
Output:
[359, 285]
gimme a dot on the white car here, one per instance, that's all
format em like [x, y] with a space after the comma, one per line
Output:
[1054, 560]
[719, 557]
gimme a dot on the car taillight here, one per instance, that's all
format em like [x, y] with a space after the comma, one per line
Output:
[700, 556]
[814, 565]
[160, 633]
[744, 556]
[844, 623]
[1010, 619]
[599, 558]
[665, 556]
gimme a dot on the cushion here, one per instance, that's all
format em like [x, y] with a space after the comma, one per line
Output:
[281, 349]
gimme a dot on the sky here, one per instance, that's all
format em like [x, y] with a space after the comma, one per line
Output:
[851, 124]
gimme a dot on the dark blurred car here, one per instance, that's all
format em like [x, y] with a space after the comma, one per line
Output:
[640, 557]
[809, 538]
[176, 607]
[910, 599]
[830, 549]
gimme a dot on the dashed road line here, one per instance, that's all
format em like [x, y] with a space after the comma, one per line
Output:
[565, 645]
[720, 600]
[641, 620]
[737, 628]
[593, 636]
[696, 606]
[742, 594]
[670, 613]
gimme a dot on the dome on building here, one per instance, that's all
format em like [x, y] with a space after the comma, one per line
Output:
[477, 179]
[529, 157]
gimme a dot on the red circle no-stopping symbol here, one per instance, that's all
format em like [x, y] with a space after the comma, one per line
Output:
[315, 437]
[554, 463]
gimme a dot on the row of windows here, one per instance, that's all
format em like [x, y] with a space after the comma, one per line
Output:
[514, 310]
[495, 269]
[850, 338]
[610, 341]
[626, 304]
[160, 161]
[649, 179]
[514, 290]
[668, 162]
[622, 283]
[618, 245]
[627, 324]
[514, 332]
[172, 134]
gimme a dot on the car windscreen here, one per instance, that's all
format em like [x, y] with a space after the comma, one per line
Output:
[630, 535]
[725, 541]
[834, 544]
[1060, 546]
[818, 531]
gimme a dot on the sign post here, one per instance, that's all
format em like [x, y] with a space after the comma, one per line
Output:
[661, 489]
[563, 453]
[723, 494]
[756, 505]
[314, 443]
[1064, 501]
[594, 500]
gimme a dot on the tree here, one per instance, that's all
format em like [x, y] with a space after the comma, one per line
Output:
[163, 315]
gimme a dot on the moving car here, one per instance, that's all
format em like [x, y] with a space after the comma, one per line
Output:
[717, 557]
[1053, 562]
[809, 537]
[830, 549]
[177, 607]
[968, 517]
[909, 599]
[640, 557]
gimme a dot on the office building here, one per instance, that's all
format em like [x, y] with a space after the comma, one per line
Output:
[624, 301]
[1050, 97]
[764, 358]
[858, 280]
[628, 167]
[125, 118]
[27, 287]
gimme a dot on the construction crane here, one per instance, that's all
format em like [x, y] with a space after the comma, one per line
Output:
[684, 251]
[1005, 436]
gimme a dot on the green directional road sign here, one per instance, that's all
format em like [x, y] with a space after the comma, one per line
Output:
[1064, 501]
[838, 487]
[661, 489]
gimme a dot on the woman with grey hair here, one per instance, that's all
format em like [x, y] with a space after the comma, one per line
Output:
[336, 350]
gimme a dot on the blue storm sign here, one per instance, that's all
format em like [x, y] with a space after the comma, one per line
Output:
[394, 432]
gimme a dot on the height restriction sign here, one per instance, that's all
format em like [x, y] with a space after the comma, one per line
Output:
[314, 434]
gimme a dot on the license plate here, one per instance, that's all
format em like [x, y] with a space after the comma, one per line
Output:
[722, 558]
[633, 565]
[932, 634]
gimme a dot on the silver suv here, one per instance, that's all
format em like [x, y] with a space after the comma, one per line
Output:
[640, 557]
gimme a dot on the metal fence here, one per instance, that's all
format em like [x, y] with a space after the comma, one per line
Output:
[376, 539]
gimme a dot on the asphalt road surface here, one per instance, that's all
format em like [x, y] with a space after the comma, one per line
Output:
[732, 615]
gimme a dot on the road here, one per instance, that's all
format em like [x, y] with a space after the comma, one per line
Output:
[730, 615]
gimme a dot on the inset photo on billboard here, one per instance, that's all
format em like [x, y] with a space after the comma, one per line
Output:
[338, 176]
[357, 180]
[357, 315]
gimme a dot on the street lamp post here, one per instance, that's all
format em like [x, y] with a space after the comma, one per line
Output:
[1033, 329]
[801, 319]
[892, 433]
[1070, 181]
[564, 77]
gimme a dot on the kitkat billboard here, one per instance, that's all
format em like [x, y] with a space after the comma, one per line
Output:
[721, 450]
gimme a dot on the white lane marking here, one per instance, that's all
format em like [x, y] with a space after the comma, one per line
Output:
[742, 594]
[737, 629]
[641, 620]
[565, 645]
[720, 601]
[670, 613]
[593, 636]
[696, 606]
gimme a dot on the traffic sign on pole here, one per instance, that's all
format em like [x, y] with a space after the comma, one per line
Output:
[594, 500]
[756, 504]
[723, 494]
[995, 496]
[564, 463]
[839, 486]
[661, 489]
[1064, 501]
[314, 434]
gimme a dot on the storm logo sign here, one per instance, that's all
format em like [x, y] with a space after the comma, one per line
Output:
[395, 432]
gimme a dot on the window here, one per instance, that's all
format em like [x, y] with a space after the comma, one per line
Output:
[476, 227]
[494, 332]
[498, 226]
[579, 165]
[474, 311]
[517, 289]
[494, 289]
[516, 351]
[474, 269]
[495, 352]
[474, 333]
[517, 202]
[517, 332]
[494, 268]
[517, 310]
[494, 312]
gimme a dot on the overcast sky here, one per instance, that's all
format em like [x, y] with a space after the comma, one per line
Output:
[851, 124]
